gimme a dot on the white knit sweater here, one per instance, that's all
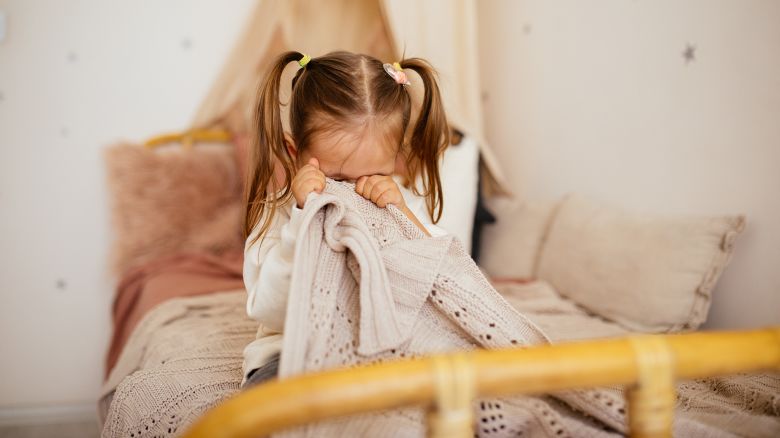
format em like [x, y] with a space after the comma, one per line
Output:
[267, 269]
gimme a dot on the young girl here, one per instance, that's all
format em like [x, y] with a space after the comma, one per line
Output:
[349, 116]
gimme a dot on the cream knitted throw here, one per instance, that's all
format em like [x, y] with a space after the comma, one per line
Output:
[185, 357]
[368, 286]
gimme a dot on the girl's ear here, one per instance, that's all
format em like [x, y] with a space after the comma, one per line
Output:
[290, 145]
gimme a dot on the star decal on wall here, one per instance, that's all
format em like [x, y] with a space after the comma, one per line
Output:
[689, 54]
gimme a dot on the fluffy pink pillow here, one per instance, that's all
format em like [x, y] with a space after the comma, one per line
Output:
[172, 199]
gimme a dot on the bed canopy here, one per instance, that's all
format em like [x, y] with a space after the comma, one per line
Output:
[442, 31]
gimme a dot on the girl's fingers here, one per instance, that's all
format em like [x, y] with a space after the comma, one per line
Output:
[302, 188]
[315, 183]
[379, 188]
[374, 181]
[386, 183]
[303, 180]
[308, 170]
[367, 185]
[360, 185]
[384, 198]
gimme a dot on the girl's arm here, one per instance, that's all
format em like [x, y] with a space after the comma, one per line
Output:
[267, 271]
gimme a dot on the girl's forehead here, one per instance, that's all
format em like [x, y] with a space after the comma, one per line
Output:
[348, 157]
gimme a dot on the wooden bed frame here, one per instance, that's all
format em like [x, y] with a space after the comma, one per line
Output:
[647, 365]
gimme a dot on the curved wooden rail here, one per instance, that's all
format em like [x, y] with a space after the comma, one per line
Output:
[188, 138]
[647, 364]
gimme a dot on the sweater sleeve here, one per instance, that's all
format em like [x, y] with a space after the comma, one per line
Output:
[267, 271]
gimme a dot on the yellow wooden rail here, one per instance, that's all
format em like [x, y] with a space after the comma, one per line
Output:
[189, 137]
[647, 365]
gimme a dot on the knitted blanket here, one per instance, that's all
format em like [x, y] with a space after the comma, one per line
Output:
[369, 286]
[185, 356]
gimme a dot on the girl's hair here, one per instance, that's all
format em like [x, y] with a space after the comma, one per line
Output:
[342, 91]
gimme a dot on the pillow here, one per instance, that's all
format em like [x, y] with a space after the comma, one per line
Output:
[510, 248]
[647, 273]
[170, 199]
[459, 173]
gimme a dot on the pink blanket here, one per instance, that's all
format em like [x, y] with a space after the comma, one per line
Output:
[179, 275]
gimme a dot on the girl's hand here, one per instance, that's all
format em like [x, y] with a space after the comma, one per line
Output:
[309, 178]
[381, 190]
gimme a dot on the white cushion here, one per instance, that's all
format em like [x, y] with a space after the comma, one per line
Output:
[459, 173]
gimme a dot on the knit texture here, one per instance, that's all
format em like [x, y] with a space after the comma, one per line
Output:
[185, 356]
[182, 359]
[368, 286]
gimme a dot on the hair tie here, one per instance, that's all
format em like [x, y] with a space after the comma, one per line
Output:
[397, 73]
[305, 60]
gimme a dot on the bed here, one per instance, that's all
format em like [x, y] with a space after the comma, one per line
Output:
[180, 322]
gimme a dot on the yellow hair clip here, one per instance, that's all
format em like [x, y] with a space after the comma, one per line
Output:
[305, 60]
[396, 72]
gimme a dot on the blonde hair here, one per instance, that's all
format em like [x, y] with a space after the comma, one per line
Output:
[332, 92]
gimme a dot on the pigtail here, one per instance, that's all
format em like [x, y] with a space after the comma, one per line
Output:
[261, 191]
[430, 137]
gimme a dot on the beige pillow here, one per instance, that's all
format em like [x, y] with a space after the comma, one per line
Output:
[647, 273]
[172, 199]
[510, 247]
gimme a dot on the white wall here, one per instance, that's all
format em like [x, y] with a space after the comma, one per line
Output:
[596, 97]
[74, 77]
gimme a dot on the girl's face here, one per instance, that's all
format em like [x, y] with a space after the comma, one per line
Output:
[347, 156]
